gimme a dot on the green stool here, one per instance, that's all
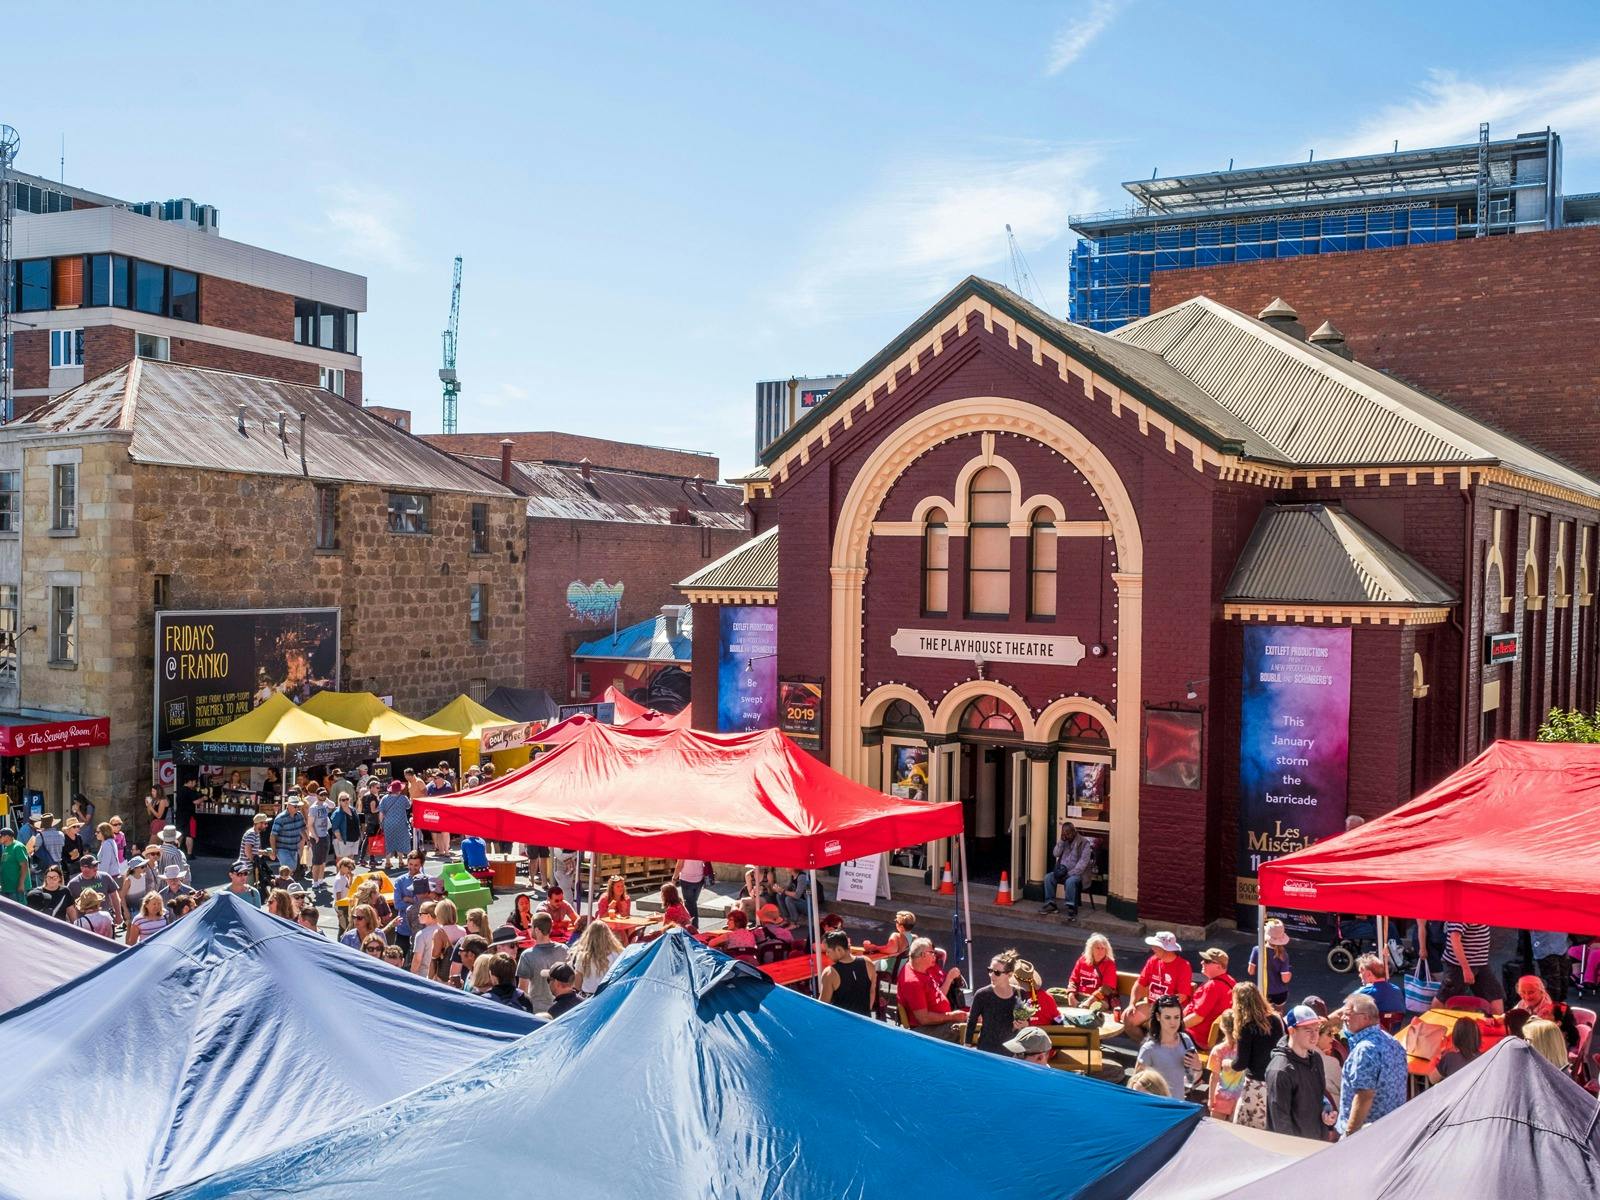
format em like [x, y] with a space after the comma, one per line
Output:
[464, 891]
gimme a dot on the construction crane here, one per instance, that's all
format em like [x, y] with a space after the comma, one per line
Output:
[447, 372]
[9, 141]
[1021, 277]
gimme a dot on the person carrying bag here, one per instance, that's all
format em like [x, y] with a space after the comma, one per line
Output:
[1421, 989]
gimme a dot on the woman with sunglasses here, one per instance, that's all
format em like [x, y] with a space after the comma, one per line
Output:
[1168, 1050]
[996, 1013]
[51, 897]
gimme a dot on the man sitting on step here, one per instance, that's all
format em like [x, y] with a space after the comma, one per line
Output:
[1074, 859]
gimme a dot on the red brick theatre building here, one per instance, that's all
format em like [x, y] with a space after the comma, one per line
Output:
[1203, 585]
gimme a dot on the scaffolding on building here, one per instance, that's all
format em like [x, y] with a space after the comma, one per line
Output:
[1359, 203]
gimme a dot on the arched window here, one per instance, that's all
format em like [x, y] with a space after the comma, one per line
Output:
[1042, 563]
[990, 715]
[902, 714]
[935, 563]
[1081, 727]
[989, 544]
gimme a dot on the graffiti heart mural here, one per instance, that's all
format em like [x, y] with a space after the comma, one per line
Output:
[594, 603]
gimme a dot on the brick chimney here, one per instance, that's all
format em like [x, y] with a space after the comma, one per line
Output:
[1280, 315]
[505, 459]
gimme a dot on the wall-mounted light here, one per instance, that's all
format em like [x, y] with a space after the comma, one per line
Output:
[1190, 693]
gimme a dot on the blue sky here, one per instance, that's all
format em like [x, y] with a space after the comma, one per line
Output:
[660, 204]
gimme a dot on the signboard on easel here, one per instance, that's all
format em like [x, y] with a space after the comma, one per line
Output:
[858, 879]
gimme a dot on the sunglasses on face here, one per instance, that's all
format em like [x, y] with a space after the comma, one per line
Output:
[999, 970]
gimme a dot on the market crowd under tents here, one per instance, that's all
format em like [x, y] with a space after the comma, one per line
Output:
[227, 1033]
[39, 953]
[690, 1074]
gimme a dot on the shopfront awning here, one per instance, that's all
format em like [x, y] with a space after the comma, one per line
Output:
[30, 732]
[277, 734]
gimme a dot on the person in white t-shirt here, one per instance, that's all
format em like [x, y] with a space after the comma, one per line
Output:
[690, 876]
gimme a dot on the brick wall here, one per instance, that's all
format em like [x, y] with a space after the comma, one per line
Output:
[1505, 328]
[648, 560]
[395, 416]
[228, 304]
[571, 447]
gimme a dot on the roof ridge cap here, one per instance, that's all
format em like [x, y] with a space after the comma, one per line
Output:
[130, 393]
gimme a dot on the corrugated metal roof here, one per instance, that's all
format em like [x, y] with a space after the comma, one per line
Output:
[1316, 408]
[1320, 554]
[651, 640]
[752, 567]
[183, 416]
[629, 497]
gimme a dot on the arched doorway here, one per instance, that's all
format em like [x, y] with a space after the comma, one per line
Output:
[990, 733]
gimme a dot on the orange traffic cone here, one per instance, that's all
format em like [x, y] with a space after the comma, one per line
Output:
[947, 885]
[1004, 896]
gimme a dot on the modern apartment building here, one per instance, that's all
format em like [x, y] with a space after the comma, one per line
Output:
[782, 402]
[98, 281]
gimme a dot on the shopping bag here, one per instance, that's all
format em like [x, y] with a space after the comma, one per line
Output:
[1424, 1040]
[1421, 988]
[376, 846]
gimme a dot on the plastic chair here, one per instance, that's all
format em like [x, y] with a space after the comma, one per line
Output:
[464, 891]
[888, 998]
[1584, 1018]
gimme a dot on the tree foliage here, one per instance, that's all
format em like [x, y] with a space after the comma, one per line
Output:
[1570, 725]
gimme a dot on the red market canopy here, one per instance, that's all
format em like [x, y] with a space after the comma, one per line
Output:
[1507, 840]
[678, 793]
[628, 711]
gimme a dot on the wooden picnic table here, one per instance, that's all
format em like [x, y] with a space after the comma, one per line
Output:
[627, 928]
[799, 968]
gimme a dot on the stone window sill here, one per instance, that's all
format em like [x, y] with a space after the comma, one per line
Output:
[62, 533]
[62, 664]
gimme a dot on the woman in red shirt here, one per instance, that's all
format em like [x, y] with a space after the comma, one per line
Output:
[1025, 978]
[615, 902]
[1093, 983]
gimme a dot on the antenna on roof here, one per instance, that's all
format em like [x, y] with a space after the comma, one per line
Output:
[1230, 164]
[63, 159]
[1397, 145]
[1311, 155]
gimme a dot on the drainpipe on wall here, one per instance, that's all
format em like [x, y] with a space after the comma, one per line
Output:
[1464, 626]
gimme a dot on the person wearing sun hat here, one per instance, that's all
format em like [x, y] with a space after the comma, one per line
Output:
[1165, 973]
[394, 817]
[1279, 972]
[172, 854]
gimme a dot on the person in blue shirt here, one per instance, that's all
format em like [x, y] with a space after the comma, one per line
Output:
[1373, 1082]
[1375, 982]
[410, 890]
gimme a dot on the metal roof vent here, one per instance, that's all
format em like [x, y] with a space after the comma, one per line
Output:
[1330, 339]
[583, 467]
[241, 420]
[1280, 315]
[283, 426]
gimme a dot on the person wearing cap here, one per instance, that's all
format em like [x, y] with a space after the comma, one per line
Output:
[16, 876]
[1032, 1044]
[1211, 999]
[172, 854]
[287, 832]
[562, 981]
[87, 879]
[394, 819]
[141, 875]
[1165, 973]
[536, 959]
[253, 851]
[239, 883]
[319, 831]
[1296, 1086]
[1279, 972]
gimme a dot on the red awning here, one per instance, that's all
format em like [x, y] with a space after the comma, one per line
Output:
[629, 711]
[24, 734]
[1508, 840]
[745, 797]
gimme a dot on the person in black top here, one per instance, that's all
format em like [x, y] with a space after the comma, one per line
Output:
[505, 991]
[1257, 1029]
[993, 1012]
[848, 982]
[563, 981]
[51, 897]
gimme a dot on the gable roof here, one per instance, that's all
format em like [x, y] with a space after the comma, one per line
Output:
[1320, 554]
[651, 640]
[560, 491]
[752, 567]
[183, 416]
[1240, 387]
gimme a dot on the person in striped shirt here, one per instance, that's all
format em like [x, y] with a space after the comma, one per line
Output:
[1466, 966]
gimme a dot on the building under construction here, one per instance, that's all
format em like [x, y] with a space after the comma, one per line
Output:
[1366, 202]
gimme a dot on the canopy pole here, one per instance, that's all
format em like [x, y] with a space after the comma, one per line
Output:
[816, 941]
[593, 858]
[966, 906]
[1383, 944]
[1261, 947]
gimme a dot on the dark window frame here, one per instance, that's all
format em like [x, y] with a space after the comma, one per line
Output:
[403, 514]
[480, 527]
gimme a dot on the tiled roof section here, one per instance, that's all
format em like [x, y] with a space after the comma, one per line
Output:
[665, 637]
[184, 416]
[560, 492]
[1320, 554]
[752, 567]
[1316, 408]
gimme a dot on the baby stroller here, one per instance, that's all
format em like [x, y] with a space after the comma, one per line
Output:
[1355, 936]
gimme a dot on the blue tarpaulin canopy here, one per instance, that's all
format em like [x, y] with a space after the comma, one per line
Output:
[224, 1035]
[39, 952]
[691, 1075]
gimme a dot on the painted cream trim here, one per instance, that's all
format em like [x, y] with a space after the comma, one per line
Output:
[1419, 681]
[923, 430]
[1491, 695]
[730, 596]
[878, 700]
[947, 717]
[1088, 529]
[1332, 614]
[900, 529]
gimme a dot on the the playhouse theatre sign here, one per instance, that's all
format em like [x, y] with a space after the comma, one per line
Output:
[990, 647]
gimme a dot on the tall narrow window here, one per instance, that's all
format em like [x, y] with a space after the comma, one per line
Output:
[935, 563]
[64, 624]
[1042, 563]
[10, 501]
[68, 279]
[327, 517]
[478, 611]
[989, 544]
[64, 498]
[480, 529]
[9, 611]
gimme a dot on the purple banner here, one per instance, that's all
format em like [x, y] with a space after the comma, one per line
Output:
[747, 669]
[1294, 750]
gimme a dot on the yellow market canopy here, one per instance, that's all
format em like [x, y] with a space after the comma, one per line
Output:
[277, 734]
[400, 735]
[469, 719]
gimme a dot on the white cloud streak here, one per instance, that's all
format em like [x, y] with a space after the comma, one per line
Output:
[1078, 34]
[369, 224]
[929, 222]
[1446, 110]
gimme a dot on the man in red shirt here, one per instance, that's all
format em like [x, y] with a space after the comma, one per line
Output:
[1211, 999]
[925, 993]
[1164, 974]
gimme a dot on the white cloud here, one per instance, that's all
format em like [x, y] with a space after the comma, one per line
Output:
[369, 224]
[1077, 35]
[929, 222]
[1446, 110]
[505, 397]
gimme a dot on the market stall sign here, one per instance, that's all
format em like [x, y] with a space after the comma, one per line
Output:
[335, 751]
[1500, 648]
[989, 647]
[505, 737]
[45, 736]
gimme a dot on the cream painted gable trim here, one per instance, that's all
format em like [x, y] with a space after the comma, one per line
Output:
[1332, 614]
[729, 596]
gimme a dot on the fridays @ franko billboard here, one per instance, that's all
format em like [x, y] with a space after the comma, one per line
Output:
[747, 669]
[1294, 749]
[212, 667]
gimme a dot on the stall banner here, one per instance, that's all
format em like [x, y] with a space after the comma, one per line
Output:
[1294, 750]
[800, 712]
[604, 711]
[46, 736]
[747, 668]
[344, 751]
[212, 667]
[858, 879]
[505, 737]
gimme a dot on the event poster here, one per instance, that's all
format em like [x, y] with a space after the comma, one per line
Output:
[212, 667]
[747, 668]
[908, 771]
[800, 712]
[1294, 749]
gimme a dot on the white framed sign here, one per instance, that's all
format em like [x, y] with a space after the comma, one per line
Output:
[990, 647]
[858, 879]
